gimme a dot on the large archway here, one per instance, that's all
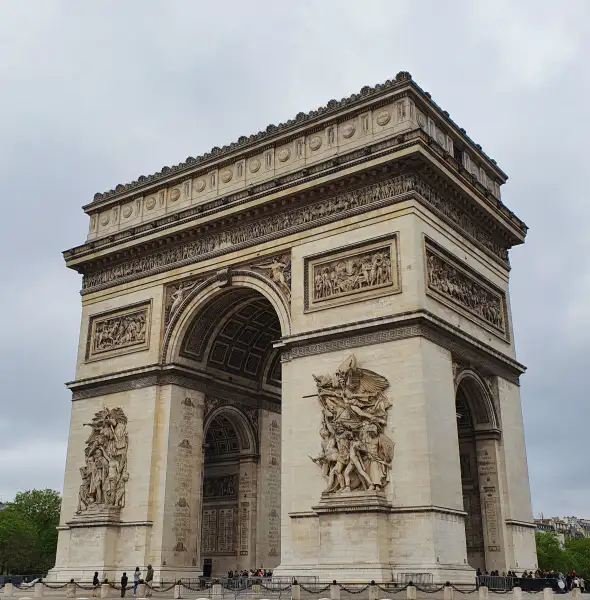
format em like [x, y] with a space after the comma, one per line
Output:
[227, 343]
[478, 431]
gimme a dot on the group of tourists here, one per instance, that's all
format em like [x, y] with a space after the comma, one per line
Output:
[137, 579]
[250, 573]
[565, 582]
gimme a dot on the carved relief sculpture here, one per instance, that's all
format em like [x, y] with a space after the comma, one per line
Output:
[278, 269]
[175, 295]
[104, 473]
[352, 274]
[453, 283]
[356, 454]
[120, 331]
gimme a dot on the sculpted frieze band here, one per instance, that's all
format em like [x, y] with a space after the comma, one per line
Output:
[448, 280]
[356, 454]
[291, 221]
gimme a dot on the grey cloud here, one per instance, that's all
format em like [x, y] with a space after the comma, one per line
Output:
[95, 94]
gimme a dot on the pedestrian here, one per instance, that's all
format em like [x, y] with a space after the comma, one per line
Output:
[95, 584]
[149, 577]
[136, 581]
[124, 580]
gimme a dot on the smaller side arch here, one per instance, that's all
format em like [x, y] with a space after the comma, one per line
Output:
[246, 435]
[479, 399]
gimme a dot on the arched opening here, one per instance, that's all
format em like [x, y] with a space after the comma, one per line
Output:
[227, 344]
[474, 536]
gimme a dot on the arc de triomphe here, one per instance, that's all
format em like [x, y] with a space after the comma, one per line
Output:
[296, 353]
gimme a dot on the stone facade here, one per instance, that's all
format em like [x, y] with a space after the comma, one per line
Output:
[297, 354]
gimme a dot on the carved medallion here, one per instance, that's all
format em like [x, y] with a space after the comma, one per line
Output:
[355, 454]
[104, 473]
[284, 154]
[127, 211]
[226, 175]
[174, 195]
[348, 130]
[200, 185]
[315, 142]
[383, 118]
[150, 203]
[104, 219]
[254, 165]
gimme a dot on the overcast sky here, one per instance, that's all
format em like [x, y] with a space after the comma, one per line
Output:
[93, 94]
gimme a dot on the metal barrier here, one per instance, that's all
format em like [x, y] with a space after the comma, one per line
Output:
[496, 583]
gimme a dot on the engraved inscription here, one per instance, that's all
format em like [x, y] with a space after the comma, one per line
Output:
[454, 283]
[226, 486]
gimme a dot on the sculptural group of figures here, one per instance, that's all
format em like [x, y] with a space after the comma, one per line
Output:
[119, 331]
[450, 281]
[342, 276]
[356, 454]
[105, 473]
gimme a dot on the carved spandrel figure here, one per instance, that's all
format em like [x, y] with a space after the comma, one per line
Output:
[356, 453]
[280, 271]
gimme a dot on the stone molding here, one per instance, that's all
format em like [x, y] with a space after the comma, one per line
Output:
[292, 130]
[382, 193]
[458, 286]
[350, 268]
[119, 331]
[412, 324]
[395, 510]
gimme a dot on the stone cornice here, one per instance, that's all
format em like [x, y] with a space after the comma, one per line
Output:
[333, 111]
[210, 241]
[371, 331]
[307, 174]
[418, 323]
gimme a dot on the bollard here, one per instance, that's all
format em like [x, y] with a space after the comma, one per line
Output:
[71, 590]
[517, 591]
[548, 594]
[373, 591]
[295, 592]
[8, 590]
[177, 591]
[216, 592]
[335, 591]
[576, 593]
[411, 592]
[256, 588]
[483, 592]
[141, 590]
[448, 592]
[105, 590]
[39, 590]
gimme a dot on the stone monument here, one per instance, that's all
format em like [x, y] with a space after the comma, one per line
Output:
[296, 353]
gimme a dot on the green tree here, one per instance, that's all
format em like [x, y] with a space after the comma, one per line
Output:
[35, 511]
[18, 542]
[550, 553]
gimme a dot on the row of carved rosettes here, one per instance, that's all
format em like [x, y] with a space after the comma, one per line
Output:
[335, 208]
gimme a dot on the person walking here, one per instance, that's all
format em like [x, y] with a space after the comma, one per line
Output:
[124, 581]
[149, 577]
[136, 581]
[95, 584]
